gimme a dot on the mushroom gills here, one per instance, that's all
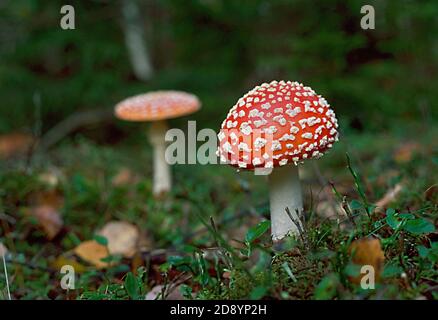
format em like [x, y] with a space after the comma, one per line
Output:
[285, 191]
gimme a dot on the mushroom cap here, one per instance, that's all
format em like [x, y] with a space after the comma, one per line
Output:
[158, 105]
[275, 124]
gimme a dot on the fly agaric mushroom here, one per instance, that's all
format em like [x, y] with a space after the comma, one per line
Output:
[276, 126]
[157, 107]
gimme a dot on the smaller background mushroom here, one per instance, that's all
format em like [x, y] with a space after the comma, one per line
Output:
[157, 107]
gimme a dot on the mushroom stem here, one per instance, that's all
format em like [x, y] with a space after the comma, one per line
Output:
[285, 191]
[162, 175]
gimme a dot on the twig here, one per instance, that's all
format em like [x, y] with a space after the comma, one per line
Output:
[347, 210]
[300, 229]
[6, 276]
[73, 122]
[7, 218]
[323, 182]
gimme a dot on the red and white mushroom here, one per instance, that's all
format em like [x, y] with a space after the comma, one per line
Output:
[276, 126]
[157, 107]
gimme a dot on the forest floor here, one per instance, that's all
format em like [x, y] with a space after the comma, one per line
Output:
[90, 206]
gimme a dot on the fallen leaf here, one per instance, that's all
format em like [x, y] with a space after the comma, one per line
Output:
[48, 219]
[367, 251]
[390, 196]
[124, 177]
[61, 261]
[52, 198]
[93, 252]
[122, 237]
[14, 143]
[405, 152]
[136, 262]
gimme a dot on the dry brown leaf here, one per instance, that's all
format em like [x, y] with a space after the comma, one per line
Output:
[122, 237]
[93, 252]
[52, 198]
[390, 196]
[61, 261]
[367, 251]
[124, 177]
[14, 143]
[48, 219]
[405, 152]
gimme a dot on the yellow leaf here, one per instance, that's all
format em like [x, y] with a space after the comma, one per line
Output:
[61, 261]
[367, 251]
[93, 252]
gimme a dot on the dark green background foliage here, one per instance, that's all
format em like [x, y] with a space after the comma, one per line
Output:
[219, 49]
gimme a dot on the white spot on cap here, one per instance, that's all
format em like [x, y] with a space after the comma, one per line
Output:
[302, 123]
[270, 130]
[282, 162]
[258, 123]
[276, 145]
[307, 135]
[294, 129]
[245, 128]
[241, 164]
[227, 147]
[259, 142]
[244, 147]
[280, 119]
[256, 161]
[287, 137]
[253, 113]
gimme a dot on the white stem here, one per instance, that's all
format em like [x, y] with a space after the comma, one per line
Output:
[285, 191]
[162, 173]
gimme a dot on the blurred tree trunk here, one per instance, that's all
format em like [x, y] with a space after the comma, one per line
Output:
[135, 42]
